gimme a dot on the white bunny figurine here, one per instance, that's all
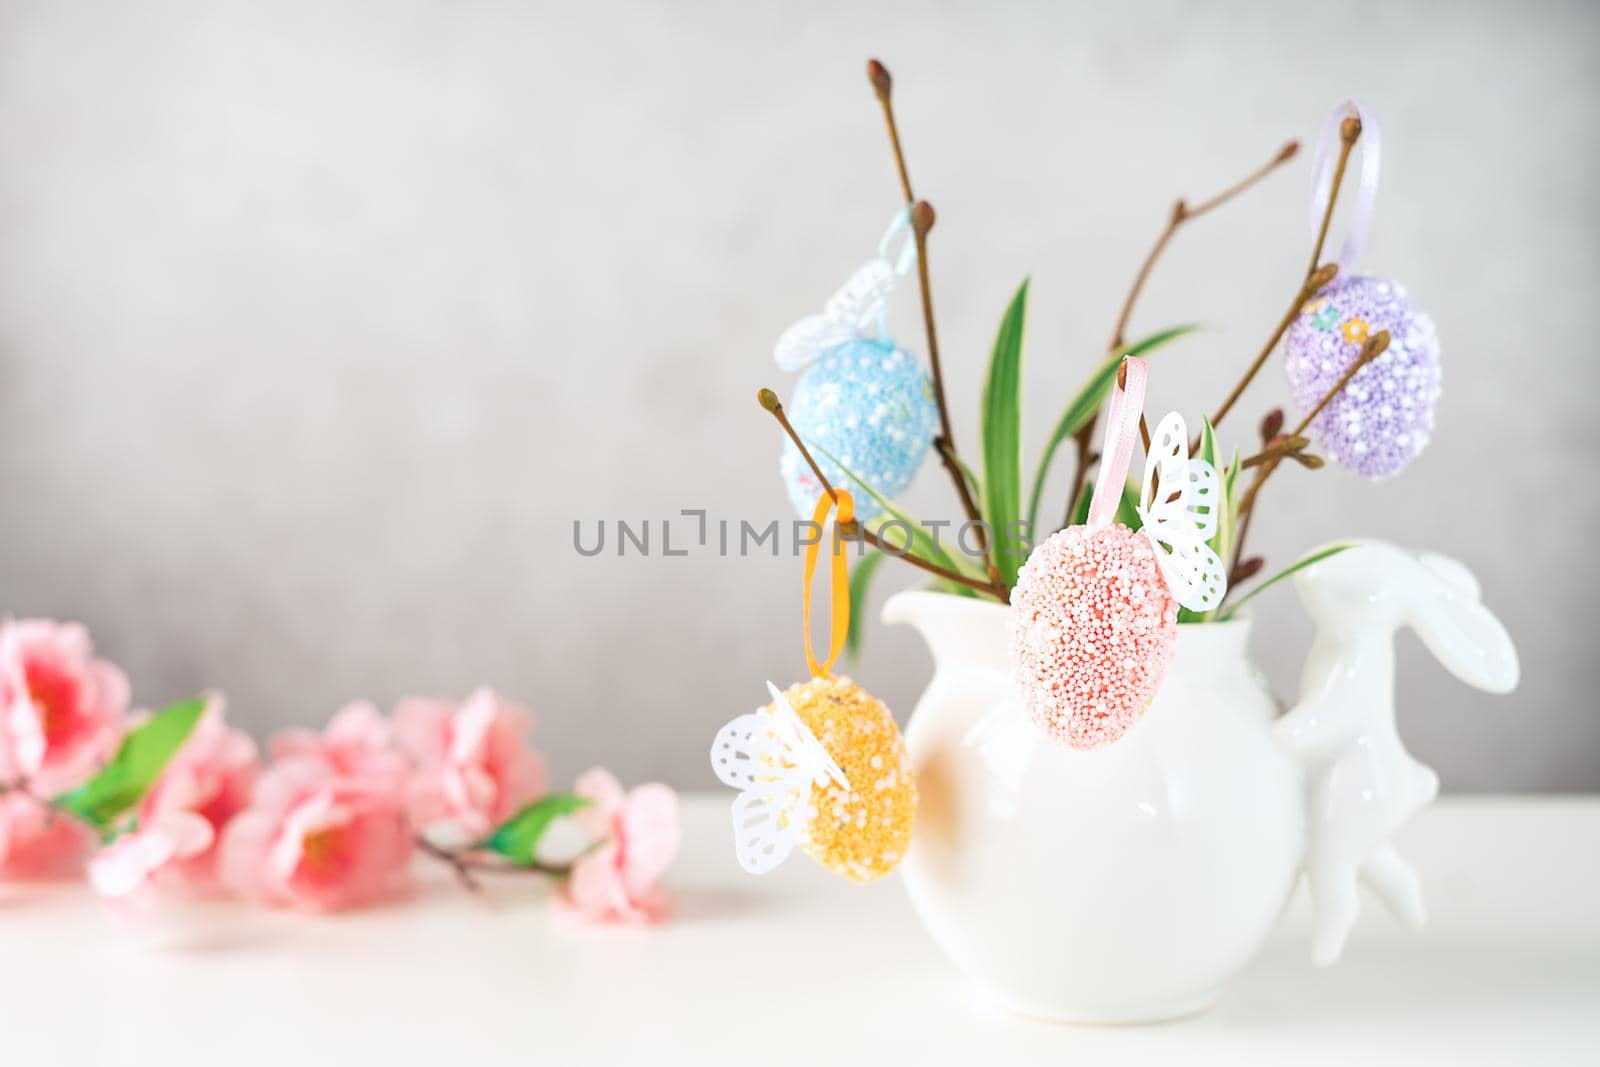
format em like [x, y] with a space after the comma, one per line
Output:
[1363, 783]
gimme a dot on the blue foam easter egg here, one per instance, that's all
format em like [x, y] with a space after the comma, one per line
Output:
[871, 405]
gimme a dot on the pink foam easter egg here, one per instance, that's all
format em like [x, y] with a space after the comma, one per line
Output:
[1093, 628]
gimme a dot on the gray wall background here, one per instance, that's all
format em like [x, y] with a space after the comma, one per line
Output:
[320, 323]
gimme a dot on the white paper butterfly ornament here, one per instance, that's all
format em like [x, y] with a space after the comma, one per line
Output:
[1184, 519]
[847, 800]
[1094, 615]
[773, 759]
[856, 311]
[861, 400]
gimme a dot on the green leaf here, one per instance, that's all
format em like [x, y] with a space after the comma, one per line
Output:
[860, 581]
[1081, 408]
[1002, 438]
[517, 839]
[1127, 507]
[1227, 518]
[1228, 485]
[138, 762]
[1315, 557]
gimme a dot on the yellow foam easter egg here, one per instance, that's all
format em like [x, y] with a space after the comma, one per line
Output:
[863, 830]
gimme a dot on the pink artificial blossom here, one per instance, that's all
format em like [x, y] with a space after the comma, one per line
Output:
[314, 840]
[167, 842]
[475, 765]
[36, 842]
[205, 785]
[357, 743]
[61, 710]
[617, 881]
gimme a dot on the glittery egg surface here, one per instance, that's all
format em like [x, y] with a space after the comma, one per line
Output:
[1093, 627]
[863, 831]
[1384, 417]
[871, 405]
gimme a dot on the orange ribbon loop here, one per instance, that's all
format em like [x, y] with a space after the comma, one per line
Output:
[840, 624]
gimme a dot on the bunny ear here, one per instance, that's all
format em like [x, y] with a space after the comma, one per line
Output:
[1452, 572]
[1460, 632]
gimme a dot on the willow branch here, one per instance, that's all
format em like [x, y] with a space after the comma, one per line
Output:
[922, 220]
[1316, 277]
[769, 400]
[1181, 213]
[1317, 280]
[883, 86]
[1375, 346]
[1270, 458]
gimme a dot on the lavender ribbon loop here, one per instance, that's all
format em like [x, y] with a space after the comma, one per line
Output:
[1322, 166]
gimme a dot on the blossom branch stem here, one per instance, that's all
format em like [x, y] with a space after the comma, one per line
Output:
[467, 866]
[1182, 212]
[922, 220]
[769, 400]
[22, 789]
[455, 861]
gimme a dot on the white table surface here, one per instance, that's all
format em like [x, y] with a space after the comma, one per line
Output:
[797, 967]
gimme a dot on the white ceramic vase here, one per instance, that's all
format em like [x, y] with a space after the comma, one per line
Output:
[1124, 884]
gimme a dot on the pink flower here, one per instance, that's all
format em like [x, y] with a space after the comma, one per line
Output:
[475, 767]
[209, 780]
[36, 842]
[167, 842]
[617, 881]
[313, 840]
[61, 710]
[357, 744]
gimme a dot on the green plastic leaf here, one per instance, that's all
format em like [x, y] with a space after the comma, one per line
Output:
[1229, 485]
[1080, 507]
[138, 762]
[517, 839]
[1081, 408]
[1228, 517]
[1002, 438]
[1127, 507]
[860, 583]
[1315, 557]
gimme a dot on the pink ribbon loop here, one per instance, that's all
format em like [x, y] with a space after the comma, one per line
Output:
[1322, 167]
[1116, 451]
